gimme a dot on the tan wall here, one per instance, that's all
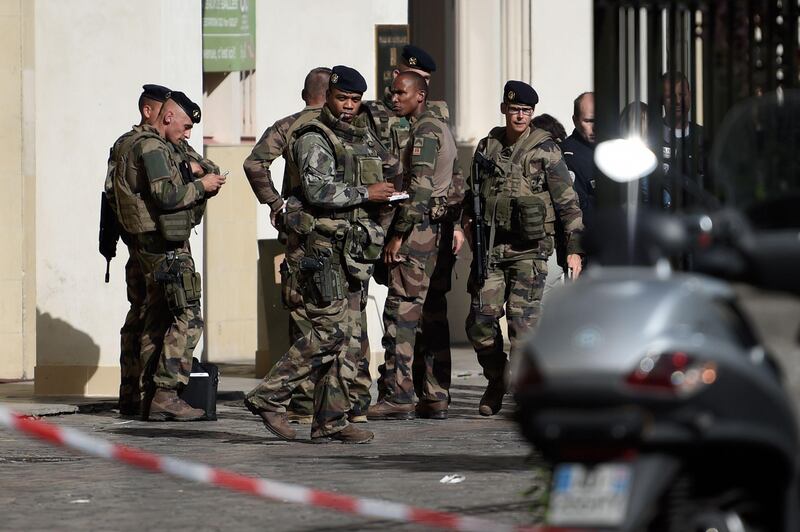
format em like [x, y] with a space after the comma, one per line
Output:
[230, 262]
[17, 265]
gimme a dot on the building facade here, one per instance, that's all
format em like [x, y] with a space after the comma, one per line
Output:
[74, 72]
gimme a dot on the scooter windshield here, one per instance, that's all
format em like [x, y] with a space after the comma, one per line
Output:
[756, 159]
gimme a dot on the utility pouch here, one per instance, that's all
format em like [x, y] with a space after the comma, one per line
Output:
[499, 211]
[296, 218]
[175, 226]
[369, 170]
[363, 245]
[529, 218]
[290, 295]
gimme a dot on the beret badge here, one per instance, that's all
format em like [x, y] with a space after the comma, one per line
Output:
[511, 95]
[334, 78]
[412, 61]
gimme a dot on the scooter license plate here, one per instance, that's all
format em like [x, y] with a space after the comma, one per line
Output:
[590, 496]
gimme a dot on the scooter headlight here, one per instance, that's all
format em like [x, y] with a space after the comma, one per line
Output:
[678, 373]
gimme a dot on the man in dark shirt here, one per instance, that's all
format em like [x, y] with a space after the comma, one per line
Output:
[578, 150]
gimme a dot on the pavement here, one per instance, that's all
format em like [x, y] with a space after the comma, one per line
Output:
[44, 488]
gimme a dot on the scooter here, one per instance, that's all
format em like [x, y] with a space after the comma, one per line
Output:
[649, 391]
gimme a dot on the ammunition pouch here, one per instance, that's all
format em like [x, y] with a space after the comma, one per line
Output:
[530, 213]
[290, 289]
[369, 170]
[322, 271]
[182, 285]
[499, 211]
[296, 218]
[363, 245]
[176, 226]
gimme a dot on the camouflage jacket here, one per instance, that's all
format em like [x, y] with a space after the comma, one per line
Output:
[393, 130]
[322, 186]
[272, 144]
[430, 160]
[538, 170]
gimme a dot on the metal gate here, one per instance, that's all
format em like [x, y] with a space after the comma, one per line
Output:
[669, 71]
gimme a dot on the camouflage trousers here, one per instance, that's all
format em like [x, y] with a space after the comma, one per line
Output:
[518, 285]
[303, 398]
[130, 363]
[171, 332]
[408, 288]
[432, 367]
[323, 357]
[302, 401]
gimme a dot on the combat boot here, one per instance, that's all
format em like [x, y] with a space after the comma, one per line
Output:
[167, 406]
[275, 422]
[299, 418]
[492, 400]
[349, 434]
[432, 409]
[385, 409]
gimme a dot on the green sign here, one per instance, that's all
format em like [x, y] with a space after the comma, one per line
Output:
[229, 35]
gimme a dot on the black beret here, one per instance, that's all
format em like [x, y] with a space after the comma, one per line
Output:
[519, 92]
[416, 57]
[191, 108]
[157, 93]
[347, 79]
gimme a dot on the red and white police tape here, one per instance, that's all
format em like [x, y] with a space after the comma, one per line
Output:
[268, 489]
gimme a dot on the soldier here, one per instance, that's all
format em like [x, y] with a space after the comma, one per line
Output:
[150, 102]
[394, 131]
[429, 160]
[155, 200]
[273, 144]
[527, 189]
[333, 208]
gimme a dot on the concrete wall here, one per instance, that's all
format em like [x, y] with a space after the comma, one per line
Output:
[91, 60]
[229, 298]
[562, 55]
[17, 240]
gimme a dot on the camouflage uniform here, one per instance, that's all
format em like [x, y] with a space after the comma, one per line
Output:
[431, 351]
[429, 160]
[336, 162]
[158, 202]
[521, 207]
[273, 144]
[131, 332]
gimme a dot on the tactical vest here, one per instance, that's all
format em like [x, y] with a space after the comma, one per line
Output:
[291, 174]
[182, 156]
[134, 214]
[358, 237]
[518, 203]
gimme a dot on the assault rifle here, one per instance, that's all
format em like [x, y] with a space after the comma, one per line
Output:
[480, 164]
[109, 232]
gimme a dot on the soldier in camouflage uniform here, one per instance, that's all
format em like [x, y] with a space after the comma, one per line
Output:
[157, 201]
[430, 160]
[333, 209]
[150, 102]
[430, 350]
[528, 188]
[274, 143]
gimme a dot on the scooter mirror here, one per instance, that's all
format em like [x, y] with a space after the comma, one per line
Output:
[625, 160]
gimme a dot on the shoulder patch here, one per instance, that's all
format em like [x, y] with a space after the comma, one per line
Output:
[156, 164]
[424, 150]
